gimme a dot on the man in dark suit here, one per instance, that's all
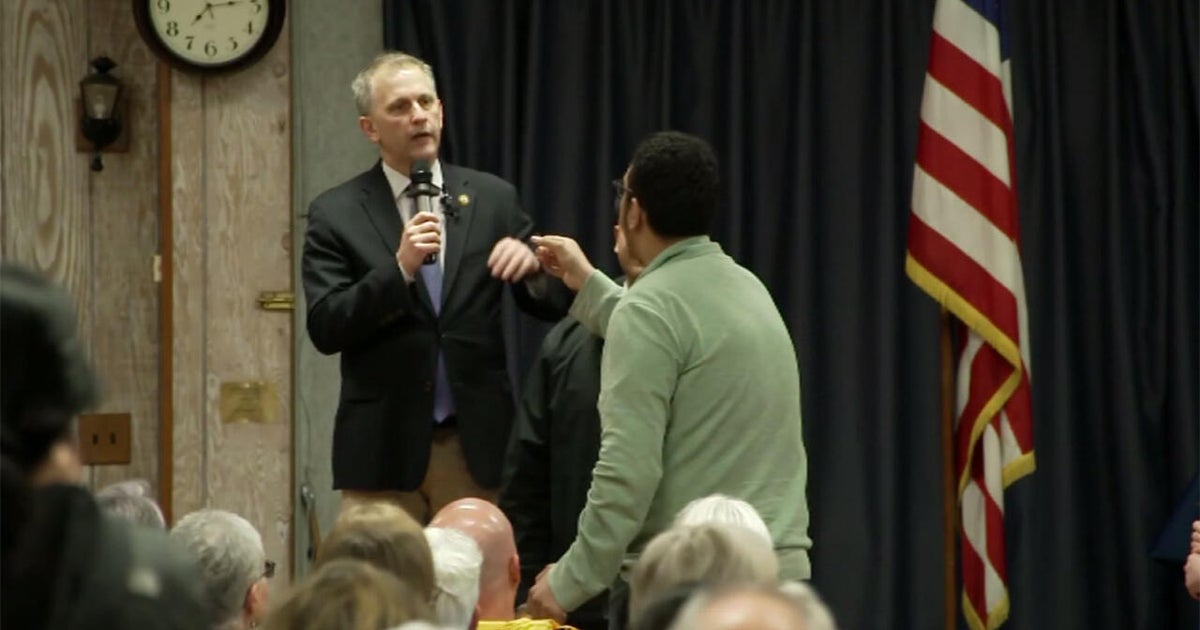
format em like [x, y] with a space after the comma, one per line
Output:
[425, 405]
[551, 453]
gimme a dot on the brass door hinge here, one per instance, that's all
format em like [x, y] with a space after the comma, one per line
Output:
[276, 300]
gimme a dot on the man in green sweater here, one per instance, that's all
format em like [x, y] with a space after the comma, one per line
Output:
[699, 393]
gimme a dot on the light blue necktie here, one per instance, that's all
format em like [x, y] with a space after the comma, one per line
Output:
[443, 398]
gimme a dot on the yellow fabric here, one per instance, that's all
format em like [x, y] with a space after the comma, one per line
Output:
[524, 623]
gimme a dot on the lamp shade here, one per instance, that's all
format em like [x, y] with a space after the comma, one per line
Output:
[100, 90]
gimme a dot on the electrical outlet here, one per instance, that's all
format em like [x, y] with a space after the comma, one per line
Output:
[105, 438]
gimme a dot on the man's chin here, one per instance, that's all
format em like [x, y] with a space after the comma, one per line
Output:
[428, 152]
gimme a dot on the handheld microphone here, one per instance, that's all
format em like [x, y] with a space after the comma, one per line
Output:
[423, 191]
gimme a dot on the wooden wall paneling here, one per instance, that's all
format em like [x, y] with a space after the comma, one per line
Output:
[188, 360]
[124, 240]
[248, 194]
[166, 298]
[46, 216]
[46, 220]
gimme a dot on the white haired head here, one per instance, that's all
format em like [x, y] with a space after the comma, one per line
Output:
[229, 552]
[130, 501]
[704, 554]
[817, 615]
[457, 562]
[719, 509]
[733, 606]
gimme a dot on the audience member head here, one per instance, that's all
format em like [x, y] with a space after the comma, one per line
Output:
[233, 565]
[130, 501]
[348, 594]
[718, 509]
[387, 537]
[661, 611]
[45, 380]
[421, 625]
[817, 615]
[705, 554]
[63, 564]
[741, 608]
[456, 565]
[501, 573]
[669, 192]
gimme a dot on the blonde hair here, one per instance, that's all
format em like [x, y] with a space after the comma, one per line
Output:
[363, 84]
[387, 537]
[704, 554]
[348, 595]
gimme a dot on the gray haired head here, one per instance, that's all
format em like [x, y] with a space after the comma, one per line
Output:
[130, 501]
[816, 613]
[229, 553]
[719, 509]
[457, 562]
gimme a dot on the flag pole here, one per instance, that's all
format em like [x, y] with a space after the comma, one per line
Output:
[949, 487]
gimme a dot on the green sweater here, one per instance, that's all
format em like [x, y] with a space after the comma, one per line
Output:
[699, 394]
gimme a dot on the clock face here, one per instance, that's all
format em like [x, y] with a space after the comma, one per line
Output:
[208, 33]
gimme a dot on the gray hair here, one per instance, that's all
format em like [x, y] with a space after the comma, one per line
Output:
[719, 509]
[697, 610]
[817, 615]
[229, 553]
[706, 554]
[364, 82]
[457, 562]
[130, 501]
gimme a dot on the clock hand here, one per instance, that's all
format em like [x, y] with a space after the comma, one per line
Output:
[207, 9]
[227, 4]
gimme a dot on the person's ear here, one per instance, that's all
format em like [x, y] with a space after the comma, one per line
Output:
[255, 607]
[514, 570]
[368, 128]
[636, 215]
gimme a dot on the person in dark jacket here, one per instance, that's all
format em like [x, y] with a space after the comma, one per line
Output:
[553, 447]
[64, 563]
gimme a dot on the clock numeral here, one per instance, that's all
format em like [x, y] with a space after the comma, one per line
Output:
[210, 48]
[164, 6]
[257, 7]
[190, 38]
[250, 27]
[233, 44]
[172, 28]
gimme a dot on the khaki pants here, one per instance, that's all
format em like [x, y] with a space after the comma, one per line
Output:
[446, 480]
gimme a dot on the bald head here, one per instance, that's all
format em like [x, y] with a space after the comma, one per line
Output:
[491, 530]
[741, 609]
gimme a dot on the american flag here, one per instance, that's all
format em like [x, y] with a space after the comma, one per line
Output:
[964, 250]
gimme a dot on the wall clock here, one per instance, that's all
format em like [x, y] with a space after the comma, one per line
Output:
[206, 36]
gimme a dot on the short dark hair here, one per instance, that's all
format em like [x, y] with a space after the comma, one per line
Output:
[674, 176]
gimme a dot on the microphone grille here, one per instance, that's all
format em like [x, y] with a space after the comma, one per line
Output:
[421, 173]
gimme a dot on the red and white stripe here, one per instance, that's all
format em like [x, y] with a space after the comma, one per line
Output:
[964, 250]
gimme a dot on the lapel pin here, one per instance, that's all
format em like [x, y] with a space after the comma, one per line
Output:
[463, 200]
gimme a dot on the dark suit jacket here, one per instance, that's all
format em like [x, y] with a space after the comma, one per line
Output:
[359, 305]
[551, 453]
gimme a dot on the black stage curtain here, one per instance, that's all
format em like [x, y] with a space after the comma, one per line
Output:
[812, 107]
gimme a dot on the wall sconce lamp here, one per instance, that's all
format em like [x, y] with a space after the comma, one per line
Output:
[100, 123]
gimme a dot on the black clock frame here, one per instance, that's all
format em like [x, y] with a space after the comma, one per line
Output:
[271, 31]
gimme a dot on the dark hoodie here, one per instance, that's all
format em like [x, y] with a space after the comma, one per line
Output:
[64, 564]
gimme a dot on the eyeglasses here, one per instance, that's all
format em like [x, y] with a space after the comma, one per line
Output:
[621, 190]
[269, 569]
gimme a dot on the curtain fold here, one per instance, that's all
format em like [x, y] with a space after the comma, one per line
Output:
[812, 108]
